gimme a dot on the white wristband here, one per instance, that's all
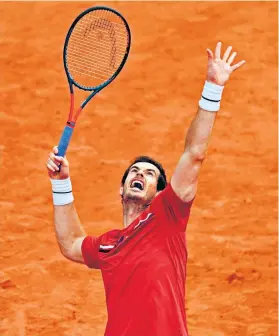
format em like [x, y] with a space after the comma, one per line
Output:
[211, 97]
[62, 191]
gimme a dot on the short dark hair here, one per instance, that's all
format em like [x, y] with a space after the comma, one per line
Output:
[162, 180]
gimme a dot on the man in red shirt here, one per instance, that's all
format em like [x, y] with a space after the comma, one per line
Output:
[144, 265]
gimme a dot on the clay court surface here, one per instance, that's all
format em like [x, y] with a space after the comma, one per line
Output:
[232, 233]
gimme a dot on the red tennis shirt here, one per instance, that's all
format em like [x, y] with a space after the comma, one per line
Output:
[144, 270]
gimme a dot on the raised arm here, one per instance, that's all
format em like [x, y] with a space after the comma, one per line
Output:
[69, 232]
[185, 178]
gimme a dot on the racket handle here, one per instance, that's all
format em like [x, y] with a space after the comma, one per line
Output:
[64, 140]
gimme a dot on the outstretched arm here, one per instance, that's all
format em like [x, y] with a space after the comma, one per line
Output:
[69, 232]
[185, 178]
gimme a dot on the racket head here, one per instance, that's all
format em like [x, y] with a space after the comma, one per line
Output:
[96, 48]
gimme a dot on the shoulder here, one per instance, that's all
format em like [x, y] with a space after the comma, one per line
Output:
[170, 196]
[169, 207]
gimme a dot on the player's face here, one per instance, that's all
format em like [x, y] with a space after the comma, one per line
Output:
[141, 182]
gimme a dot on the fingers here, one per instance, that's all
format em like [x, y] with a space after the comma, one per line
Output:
[226, 57]
[54, 162]
[237, 65]
[209, 54]
[55, 149]
[226, 54]
[231, 59]
[51, 165]
[218, 50]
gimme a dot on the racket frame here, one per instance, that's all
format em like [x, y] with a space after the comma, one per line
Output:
[95, 89]
[68, 130]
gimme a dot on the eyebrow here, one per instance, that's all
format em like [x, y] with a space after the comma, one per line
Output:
[149, 169]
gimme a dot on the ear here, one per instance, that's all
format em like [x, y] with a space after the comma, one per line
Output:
[121, 191]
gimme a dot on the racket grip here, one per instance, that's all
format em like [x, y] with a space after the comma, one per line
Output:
[64, 140]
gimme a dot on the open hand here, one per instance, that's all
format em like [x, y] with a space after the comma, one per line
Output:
[219, 69]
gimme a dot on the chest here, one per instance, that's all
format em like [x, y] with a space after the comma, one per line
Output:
[148, 252]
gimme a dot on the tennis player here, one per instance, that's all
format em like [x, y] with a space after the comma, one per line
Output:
[144, 264]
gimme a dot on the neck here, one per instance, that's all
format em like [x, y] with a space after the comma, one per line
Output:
[131, 210]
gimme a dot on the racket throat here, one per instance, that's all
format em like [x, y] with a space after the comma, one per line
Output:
[72, 119]
[71, 123]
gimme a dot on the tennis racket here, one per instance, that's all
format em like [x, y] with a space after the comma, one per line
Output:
[95, 50]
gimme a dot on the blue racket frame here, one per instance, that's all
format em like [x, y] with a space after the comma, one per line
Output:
[69, 128]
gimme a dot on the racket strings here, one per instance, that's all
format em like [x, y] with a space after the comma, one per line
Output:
[96, 47]
[79, 54]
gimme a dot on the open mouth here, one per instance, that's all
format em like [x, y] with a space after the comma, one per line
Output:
[138, 185]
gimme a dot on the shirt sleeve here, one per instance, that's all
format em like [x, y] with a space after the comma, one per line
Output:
[172, 209]
[90, 252]
[91, 247]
